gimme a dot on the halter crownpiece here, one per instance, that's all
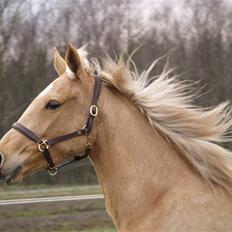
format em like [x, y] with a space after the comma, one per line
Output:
[44, 145]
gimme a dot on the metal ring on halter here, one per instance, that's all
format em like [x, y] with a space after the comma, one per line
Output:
[93, 110]
[52, 171]
[88, 145]
[43, 145]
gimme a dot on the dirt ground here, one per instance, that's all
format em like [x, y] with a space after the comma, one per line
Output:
[86, 216]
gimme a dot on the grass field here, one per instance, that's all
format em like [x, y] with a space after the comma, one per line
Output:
[28, 191]
[83, 216]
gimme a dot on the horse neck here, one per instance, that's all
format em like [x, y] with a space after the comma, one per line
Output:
[134, 164]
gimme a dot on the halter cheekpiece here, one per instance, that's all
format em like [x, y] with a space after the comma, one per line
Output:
[44, 144]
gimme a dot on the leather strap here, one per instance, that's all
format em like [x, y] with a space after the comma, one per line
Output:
[43, 145]
[48, 157]
[26, 132]
[75, 159]
[96, 95]
[66, 137]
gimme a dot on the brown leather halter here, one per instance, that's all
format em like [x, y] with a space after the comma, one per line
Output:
[44, 145]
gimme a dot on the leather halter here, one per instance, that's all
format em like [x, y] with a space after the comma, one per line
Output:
[44, 145]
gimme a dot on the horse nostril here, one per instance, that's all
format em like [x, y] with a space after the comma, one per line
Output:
[1, 159]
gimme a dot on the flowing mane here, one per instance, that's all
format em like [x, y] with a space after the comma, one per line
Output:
[167, 104]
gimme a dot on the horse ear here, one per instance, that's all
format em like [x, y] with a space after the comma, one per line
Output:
[59, 63]
[72, 59]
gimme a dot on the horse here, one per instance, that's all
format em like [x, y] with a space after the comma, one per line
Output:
[158, 157]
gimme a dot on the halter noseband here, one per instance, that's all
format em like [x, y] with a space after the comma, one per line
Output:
[44, 145]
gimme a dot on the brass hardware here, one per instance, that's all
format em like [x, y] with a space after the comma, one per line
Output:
[88, 144]
[93, 110]
[52, 171]
[43, 145]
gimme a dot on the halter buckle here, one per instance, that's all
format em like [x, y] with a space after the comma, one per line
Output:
[93, 110]
[43, 145]
[88, 144]
[52, 171]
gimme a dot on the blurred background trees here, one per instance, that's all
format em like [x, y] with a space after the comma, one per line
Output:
[196, 33]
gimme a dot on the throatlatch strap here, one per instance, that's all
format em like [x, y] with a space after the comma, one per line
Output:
[75, 159]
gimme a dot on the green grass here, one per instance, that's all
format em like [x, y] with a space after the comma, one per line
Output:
[23, 191]
[84, 216]
[81, 216]
[99, 230]
[44, 210]
[73, 230]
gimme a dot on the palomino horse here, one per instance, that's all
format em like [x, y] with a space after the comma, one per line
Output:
[156, 155]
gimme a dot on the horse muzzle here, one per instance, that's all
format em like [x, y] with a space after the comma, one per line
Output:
[1, 160]
[8, 178]
[1, 163]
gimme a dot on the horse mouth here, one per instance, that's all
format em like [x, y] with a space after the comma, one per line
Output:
[10, 177]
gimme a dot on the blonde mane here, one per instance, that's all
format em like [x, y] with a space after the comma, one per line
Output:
[167, 104]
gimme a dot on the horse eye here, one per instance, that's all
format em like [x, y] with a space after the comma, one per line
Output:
[52, 105]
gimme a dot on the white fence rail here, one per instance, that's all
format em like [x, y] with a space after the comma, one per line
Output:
[50, 199]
